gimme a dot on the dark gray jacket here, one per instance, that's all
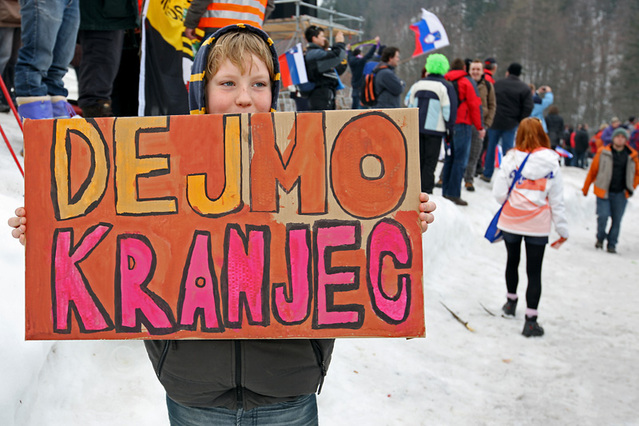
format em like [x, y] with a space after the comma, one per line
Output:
[239, 373]
[388, 88]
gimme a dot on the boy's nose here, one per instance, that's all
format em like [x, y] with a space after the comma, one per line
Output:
[243, 97]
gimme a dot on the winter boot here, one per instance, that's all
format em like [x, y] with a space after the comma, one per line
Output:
[509, 307]
[531, 328]
[470, 187]
[34, 107]
[99, 109]
[61, 108]
[599, 244]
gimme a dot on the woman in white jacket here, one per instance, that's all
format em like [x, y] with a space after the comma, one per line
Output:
[536, 200]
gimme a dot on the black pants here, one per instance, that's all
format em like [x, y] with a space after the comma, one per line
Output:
[429, 147]
[101, 52]
[321, 98]
[535, 247]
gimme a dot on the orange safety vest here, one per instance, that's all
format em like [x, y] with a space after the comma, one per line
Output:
[221, 14]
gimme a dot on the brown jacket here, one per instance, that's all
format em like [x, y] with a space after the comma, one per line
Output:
[9, 14]
[488, 103]
[601, 172]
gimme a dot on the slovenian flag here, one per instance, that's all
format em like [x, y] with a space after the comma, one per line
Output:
[563, 152]
[292, 67]
[429, 34]
[498, 156]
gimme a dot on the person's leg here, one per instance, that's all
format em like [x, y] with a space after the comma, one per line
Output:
[508, 139]
[301, 411]
[63, 49]
[618, 203]
[489, 162]
[513, 249]
[475, 151]
[603, 213]
[534, 261]
[429, 146]
[460, 151]
[101, 53]
[355, 97]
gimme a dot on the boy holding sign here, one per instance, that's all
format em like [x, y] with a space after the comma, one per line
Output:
[220, 381]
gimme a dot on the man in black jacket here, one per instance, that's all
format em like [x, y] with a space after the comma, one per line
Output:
[514, 103]
[323, 67]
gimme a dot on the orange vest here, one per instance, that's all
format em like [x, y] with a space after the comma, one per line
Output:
[221, 14]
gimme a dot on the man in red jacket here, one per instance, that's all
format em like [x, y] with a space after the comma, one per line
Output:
[468, 113]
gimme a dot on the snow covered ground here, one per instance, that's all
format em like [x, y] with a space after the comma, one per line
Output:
[583, 371]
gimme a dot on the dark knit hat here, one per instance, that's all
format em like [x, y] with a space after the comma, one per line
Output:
[514, 69]
[197, 89]
[620, 131]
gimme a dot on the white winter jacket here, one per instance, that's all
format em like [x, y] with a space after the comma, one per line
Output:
[537, 199]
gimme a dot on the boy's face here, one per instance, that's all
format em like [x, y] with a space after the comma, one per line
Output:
[319, 39]
[229, 91]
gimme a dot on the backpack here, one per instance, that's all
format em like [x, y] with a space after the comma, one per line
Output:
[367, 95]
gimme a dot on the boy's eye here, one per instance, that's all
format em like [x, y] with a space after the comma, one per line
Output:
[228, 83]
[261, 84]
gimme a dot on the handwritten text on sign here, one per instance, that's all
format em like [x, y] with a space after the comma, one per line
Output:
[224, 226]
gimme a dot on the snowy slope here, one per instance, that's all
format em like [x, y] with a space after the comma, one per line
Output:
[583, 371]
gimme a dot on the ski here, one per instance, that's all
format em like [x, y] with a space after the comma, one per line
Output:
[464, 323]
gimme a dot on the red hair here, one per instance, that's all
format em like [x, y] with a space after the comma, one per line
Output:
[531, 135]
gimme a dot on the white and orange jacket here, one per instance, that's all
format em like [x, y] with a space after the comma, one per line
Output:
[537, 200]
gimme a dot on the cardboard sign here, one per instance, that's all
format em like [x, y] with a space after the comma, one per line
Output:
[266, 225]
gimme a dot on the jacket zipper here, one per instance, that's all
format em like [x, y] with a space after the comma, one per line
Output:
[320, 361]
[239, 395]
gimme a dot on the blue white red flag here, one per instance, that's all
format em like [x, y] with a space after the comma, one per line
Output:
[563, 152]
[292, 67]
[498, 156]
[429, 34]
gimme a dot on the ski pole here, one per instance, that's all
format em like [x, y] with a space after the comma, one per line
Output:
[6, 140]
[10, 102]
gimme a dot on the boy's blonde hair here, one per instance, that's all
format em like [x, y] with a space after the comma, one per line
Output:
[239, 47]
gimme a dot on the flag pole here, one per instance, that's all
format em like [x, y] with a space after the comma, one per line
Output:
[10, 102]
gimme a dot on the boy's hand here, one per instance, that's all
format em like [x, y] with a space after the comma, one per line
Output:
[426, 209]
[19, 225]
[339, 37]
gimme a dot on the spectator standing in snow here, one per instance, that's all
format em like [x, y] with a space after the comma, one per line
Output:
[468, 114]
[488, 107]
[555, 126]
[615, 173]
[536, 200]
[581, 146]
[606, 135]
[388, 86]
[514, 103]
[356, 62]
[437, 102]
[542, 99]
[44, 58]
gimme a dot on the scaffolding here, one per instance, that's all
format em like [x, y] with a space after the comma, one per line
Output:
[292, 29]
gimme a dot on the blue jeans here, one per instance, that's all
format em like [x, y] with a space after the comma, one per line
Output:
[455, 162]
[613, 208]
[300, 412]
[507, 141]
[49, 31]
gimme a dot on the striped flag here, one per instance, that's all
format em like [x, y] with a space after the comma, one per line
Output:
[563, 152]
[292, 67]
[166, 56]
[429, 34]
[498, 156]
